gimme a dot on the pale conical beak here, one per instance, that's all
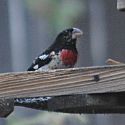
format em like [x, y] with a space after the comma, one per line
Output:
[76, 33]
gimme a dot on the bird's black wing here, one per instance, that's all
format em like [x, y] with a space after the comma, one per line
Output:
[40, 61]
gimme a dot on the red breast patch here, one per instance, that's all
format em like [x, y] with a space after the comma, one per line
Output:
[68, 57]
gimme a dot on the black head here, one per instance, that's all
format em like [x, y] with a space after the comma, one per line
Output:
[67, 38]
[69, 35]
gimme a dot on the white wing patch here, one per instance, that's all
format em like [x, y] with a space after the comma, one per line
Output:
[55, 63]
[43, 68]
[36, 66]
[42, 57]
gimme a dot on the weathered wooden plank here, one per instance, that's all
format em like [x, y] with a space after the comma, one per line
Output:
[79, 103]
[63, 82]
[89, 103]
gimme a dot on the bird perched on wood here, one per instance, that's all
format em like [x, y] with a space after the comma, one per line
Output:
[61, 54]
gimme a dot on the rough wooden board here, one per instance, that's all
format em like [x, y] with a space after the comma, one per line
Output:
[63, 82]
[85, 103]
[121, 5]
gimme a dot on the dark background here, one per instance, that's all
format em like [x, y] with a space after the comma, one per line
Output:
[27, 27]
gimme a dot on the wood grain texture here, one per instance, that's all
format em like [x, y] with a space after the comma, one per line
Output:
[63, 82]
[121, 5]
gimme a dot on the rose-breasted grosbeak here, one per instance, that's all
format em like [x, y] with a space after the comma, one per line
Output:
[61, 54]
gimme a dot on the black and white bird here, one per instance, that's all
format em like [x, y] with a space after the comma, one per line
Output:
[61, 54]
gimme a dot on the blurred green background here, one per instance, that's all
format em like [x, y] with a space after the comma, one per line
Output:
[27, 27]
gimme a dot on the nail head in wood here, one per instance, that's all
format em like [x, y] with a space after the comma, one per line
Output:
[96, 78]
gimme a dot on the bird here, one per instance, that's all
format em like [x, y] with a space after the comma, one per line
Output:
[61, 54]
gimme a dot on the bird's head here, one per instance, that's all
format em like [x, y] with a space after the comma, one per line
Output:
[69, 36]
[66, 39]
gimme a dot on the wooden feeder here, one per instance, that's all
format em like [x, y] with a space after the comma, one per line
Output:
[78, 90]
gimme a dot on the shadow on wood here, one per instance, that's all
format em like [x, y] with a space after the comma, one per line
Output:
[95, 103]
[81, 103]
